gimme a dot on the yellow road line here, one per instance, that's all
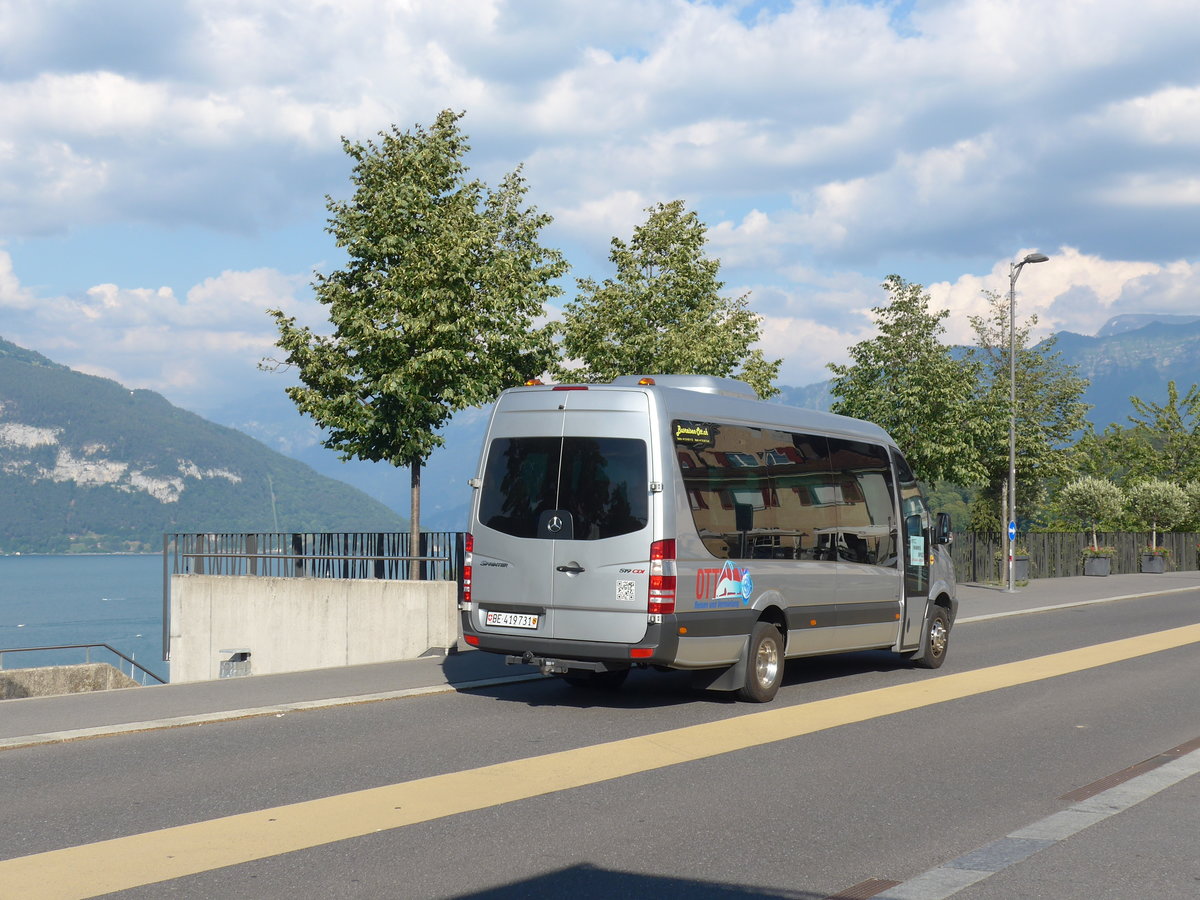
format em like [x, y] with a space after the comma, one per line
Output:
[99, 868]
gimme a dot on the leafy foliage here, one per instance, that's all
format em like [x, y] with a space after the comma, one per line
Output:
[1192, 491]
[1049, 411]
[1116, 454]
[1156, 504]
[906, 380]
[1168, 436]
[1092, 502]
[663, 313]
[1162, 443]
[435, 310]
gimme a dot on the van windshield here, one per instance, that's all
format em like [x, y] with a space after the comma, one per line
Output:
[600, 485]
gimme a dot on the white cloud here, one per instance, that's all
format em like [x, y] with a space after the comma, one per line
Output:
[602, 218]
[12, 295]
[826, 144]
[1167, 117]
[198, 351]
[1153, 191]
[1073, 291]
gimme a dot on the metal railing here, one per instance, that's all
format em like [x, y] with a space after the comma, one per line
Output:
[87, 648]
[383, 555]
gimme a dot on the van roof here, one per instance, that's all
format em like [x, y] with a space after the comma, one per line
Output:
[705, 384]
[735, 401]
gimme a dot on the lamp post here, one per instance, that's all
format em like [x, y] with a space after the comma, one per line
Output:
[1014, 271]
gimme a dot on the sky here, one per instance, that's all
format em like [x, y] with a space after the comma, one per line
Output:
[164, 166]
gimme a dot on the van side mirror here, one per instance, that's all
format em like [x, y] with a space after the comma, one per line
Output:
[944, 534]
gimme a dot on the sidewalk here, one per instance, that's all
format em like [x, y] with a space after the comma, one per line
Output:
[40, 720]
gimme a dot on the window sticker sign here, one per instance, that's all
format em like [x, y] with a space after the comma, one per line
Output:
[916, 550]
[695, 434]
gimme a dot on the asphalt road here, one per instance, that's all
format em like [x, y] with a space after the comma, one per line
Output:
[783, 800]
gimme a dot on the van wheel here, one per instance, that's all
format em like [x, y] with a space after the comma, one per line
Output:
[597, 681]
[764, 667]
[937, 640]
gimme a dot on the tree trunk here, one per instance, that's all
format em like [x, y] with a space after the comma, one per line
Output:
[416, 570]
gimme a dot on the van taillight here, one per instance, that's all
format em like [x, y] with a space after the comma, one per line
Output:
[662, 577]
[468, 550]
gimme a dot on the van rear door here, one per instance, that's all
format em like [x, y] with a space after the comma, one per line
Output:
[563, 526]
[600, 573]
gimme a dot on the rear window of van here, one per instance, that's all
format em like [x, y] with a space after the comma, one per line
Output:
[599, 485]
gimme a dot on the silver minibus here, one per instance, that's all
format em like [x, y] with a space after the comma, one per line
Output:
[678, 522]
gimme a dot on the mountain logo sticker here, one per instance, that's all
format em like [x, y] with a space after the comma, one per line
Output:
[734, 583]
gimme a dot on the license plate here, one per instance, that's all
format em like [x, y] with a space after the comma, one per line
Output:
[512, 620]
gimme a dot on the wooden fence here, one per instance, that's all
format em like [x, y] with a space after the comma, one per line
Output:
[979, 556]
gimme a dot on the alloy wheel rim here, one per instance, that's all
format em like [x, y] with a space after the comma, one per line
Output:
[937, 637]
[766, 663]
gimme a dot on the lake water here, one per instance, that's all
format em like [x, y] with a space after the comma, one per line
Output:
[115, 600]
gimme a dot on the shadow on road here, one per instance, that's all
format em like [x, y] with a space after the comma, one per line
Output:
[584, 882]
[650, 688]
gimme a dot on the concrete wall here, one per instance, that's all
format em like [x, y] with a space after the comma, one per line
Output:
[291, 624]
[48, 681]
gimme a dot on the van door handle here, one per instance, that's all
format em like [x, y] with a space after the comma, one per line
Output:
[571, 570]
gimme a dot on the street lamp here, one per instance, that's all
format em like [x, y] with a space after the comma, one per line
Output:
[1014, 271]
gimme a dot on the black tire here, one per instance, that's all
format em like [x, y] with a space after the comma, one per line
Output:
[597, 681]
[764, 665]
[935, 641]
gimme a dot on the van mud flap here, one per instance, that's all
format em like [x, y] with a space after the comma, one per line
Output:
[730, 678]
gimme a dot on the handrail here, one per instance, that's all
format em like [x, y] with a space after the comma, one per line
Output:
[110, 649]
[338, 556]
[288, 554]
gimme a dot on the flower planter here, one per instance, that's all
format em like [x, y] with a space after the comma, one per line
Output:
[1153, 564]
[1020, 568]
[1097, 565]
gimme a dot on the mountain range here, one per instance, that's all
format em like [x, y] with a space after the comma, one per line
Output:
[88, 465]
[1131, 355]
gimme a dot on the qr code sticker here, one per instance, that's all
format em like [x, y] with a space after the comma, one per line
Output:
[627, 591]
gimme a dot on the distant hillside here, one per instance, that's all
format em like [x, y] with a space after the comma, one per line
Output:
[812, 396]
[1138, 363]
[89, 465]
[1131, 356]
[1134, 355]
[1134, 321]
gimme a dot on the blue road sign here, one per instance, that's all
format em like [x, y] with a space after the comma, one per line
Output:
[1012, 531]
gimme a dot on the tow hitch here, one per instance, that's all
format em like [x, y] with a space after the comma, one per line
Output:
[553, 666]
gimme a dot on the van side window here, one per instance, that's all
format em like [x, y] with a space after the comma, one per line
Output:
[760, 493]
[866, 530]
[809, 496]
[601, 483]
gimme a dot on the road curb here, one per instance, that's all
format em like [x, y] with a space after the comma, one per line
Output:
[280, 709]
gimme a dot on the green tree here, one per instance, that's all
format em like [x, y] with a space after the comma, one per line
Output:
[1049, 411]
[1156, 504]
[434, 312]
[1192, 489]
[1114, 454]
[663, 313]
[1092, 501]
[906, 380]
[1169, 435]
